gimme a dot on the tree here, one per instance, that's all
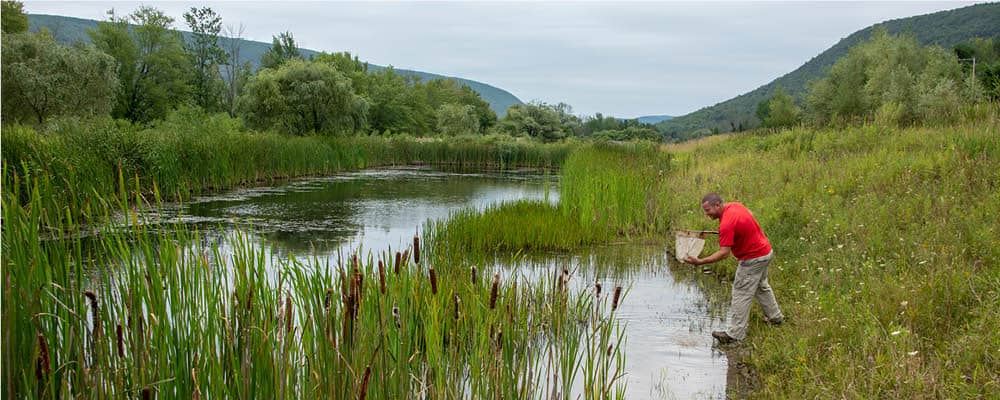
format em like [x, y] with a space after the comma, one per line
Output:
[42, 79]
[302, 97]
[781, 110]
[12, 17]
[153, 67]
[206, 55]
[283, 49]
[237, 71]
[457, 119]
[538, 120]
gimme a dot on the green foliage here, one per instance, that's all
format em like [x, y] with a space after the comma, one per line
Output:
[541, 121]
[13, 18]
[206, 55]
[153, 67]
[283, 49]
[781, 111]
[628, 133]
[892, 76]
[42, 79]
[456, 119]
[980, 59]
[611, 128]
[302, 97]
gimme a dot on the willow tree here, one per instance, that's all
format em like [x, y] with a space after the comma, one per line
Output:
[302, 97]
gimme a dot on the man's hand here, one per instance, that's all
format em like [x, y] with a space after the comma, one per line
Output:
[692, 260]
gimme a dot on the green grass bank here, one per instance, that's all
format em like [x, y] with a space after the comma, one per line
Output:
[887, 255]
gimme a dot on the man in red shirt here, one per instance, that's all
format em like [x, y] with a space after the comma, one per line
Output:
[741, 236]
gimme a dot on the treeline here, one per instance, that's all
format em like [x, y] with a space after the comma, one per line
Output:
[893, 80]
[138, 68]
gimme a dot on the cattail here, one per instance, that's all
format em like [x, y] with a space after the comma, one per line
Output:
[288, 314]
[416, 249]
[43, 366]
[493, 290]
[363, 391]
[475, 277]
[147, 393]
[609, 350]
[618, 294]
[457, 300]
[434, 281]
[406, 255]
[250, 301]
[395, 315]
[499, 339]
[121, 341]
[597, 289]
[396, 268]
[327, 299]
[381, 277]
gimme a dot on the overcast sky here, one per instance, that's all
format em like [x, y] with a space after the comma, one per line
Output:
[621, 59]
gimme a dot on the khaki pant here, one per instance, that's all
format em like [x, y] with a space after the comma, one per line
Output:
[751, 282]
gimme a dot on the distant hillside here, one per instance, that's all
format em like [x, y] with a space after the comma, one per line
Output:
[945, 28]
[653, 119]
[69, 30]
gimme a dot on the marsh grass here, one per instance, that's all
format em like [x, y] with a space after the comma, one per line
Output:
[146, 313]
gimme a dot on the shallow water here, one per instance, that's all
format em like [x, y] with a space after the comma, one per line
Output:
[666, 310]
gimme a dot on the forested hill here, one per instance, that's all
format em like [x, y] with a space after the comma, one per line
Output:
[945, 28]
[68, 30]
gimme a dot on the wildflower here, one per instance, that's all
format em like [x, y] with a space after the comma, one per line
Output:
[913, 353]
[896, 333]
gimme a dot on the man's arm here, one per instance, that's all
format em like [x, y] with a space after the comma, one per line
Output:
[718, 255]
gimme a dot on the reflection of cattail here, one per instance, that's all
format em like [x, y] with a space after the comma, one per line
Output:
[614, 301]
[147, 393]
[363, 391]
[43, 366]
[121, 341]
[396, 268]
[395, 315]
[288, 314]
[457, 300]
[597, 289]
[381, 277]
[434, 281]
[416, 249]
[493, 290]
[475, 277]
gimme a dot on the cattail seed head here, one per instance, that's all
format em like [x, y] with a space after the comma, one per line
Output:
[475, 276]
[416, 249]
[395, 316]
[457, 300]
[43, 366]
[597, 289]
[288, 314]
[609, 350]
[406, 256]
[494, 290]
[434, 281]
[381, 277]
[618, 294]
[363, 390]
[119, 334]
[328, 299]
[396, 268]
[147, 393]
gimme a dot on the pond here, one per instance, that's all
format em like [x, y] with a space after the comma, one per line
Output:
[667, 313]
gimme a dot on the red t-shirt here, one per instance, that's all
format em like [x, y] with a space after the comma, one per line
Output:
[740, 231]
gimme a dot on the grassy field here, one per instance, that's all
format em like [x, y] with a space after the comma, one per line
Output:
[887, 254]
